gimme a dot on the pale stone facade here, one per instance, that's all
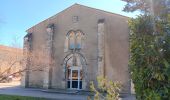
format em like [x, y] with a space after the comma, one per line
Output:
[75, 46]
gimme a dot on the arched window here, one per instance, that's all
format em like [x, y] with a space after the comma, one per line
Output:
[74, 40]
[79, 36]
[71, 40]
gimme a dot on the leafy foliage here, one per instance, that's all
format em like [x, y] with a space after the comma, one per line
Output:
[158, 7]
[150, 60]
[150, 48]
[106, 90]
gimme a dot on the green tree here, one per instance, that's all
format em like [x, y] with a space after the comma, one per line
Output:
[149, 61]
[160, 8]
[149, 58]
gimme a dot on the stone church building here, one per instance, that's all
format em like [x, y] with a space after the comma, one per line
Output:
[73, 47]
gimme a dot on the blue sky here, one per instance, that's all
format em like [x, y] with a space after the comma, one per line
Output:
[16, 16]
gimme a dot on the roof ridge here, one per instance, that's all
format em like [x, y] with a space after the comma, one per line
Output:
[100, 10]
[78, 5]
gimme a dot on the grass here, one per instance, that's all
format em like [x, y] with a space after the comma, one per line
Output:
[12, 97]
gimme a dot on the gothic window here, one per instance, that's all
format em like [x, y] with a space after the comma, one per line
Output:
[74, 40]
[71, 40]
[79, 36]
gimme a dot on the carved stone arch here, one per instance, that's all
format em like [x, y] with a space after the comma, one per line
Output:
[80, 31]
[70, 32]
[71, 53]
[83, 64]
[75, 31]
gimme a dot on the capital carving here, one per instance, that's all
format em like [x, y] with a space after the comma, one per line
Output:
[49, 30]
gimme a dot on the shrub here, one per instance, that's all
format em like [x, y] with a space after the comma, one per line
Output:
[106, 89]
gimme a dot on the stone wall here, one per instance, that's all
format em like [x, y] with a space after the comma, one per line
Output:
[106, 46]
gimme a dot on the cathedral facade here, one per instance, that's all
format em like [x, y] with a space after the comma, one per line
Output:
[73, 47]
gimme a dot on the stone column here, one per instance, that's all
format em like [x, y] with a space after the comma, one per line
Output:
[66, 44]
[26, 60]
[64, 80]
[48, 55]
[84, 81]
[100, 36]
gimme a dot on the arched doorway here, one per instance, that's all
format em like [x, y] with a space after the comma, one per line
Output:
[74, 80]
[74, 70]
[74, 62]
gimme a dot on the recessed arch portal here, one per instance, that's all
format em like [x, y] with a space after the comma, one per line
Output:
[74, 65]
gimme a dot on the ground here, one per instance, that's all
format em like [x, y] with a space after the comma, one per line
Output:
[15, 89]
[9, 97]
